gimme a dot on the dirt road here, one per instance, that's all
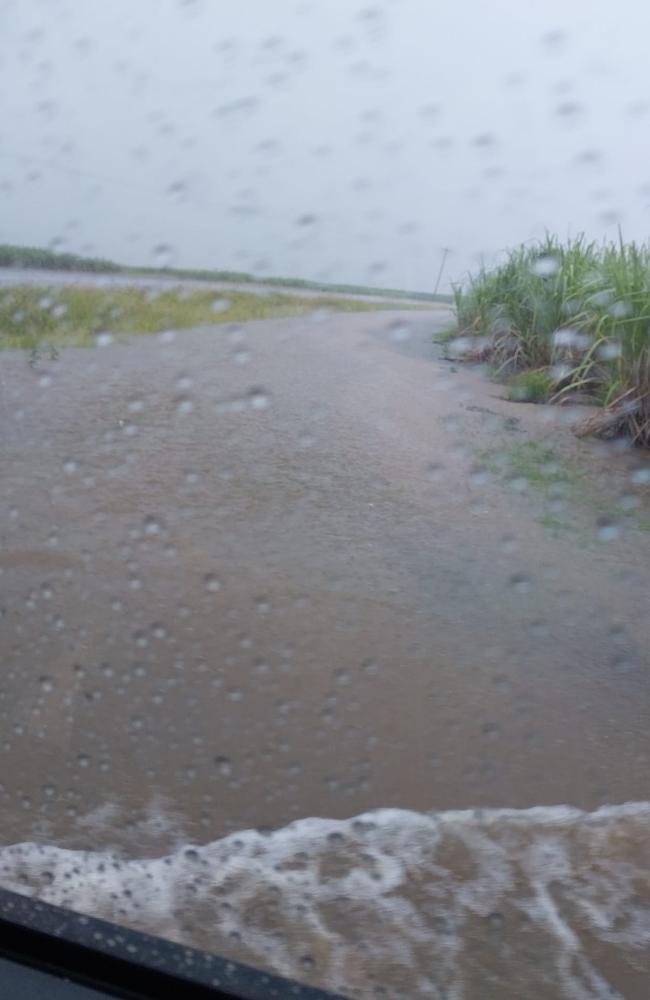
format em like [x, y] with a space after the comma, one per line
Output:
[284, 570]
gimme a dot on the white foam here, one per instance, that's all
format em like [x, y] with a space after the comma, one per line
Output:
[428, 903]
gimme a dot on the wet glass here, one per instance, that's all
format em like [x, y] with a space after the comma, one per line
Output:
[324, 571]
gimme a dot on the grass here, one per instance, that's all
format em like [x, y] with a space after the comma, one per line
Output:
[555, 525]
[572, 499]
[536, 385]
[32, 317]
[531, 466]
[560, 319]
[41, 258]
[536, 463]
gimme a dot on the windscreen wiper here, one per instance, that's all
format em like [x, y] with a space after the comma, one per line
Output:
[49, 953]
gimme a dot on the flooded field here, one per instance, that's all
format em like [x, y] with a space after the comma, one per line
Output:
[306, 568]
[10, 276]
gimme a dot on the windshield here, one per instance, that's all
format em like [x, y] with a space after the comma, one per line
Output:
[325, 395]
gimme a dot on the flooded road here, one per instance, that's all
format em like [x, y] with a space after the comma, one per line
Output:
[301, 568]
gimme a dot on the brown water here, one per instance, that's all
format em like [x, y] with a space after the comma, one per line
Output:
[545, 903]
[255, 575]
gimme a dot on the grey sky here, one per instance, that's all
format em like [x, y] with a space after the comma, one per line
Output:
[342, 140]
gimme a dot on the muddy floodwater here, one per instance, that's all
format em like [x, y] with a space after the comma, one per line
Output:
[308, 568]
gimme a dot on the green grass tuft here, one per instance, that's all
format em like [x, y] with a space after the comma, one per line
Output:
[534, 386]
[539, 464]
[578, 312]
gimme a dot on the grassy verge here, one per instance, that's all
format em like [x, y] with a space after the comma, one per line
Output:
[529, 463]
[556, 491]
[565, 497]
[565, 319]
[41, 258]
[33, 317]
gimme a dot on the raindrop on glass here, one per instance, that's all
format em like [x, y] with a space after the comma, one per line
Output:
[520, 583]
[545, 266]
[607, 530]
[258, 398]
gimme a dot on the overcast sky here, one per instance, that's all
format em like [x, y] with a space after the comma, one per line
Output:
[321, 138]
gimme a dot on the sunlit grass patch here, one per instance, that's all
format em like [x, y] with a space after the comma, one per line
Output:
[82, 317]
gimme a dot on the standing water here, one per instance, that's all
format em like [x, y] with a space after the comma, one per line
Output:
[323, 605]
